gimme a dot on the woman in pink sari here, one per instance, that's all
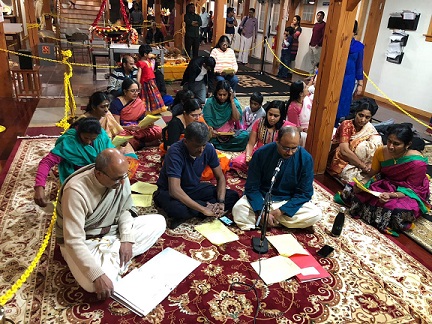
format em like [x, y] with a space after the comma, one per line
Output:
[401, 183]
[264, 131]
[128, 109]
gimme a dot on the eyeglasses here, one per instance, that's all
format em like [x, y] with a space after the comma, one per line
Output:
[288, 149]
[123, 177]
[134, 90]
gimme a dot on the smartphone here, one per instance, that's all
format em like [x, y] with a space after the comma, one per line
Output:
[226, 220]
[325, 251]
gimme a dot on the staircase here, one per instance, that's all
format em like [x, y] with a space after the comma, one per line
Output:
[78, 18]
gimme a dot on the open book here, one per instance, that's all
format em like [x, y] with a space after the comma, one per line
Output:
[148, 120]
[144, 288]
[363, 188]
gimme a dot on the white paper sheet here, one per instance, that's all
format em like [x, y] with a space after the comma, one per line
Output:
[286, 245]
[276, 269]
[143, 289]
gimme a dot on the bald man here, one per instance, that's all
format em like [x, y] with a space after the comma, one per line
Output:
[97, 230]
[292, 190]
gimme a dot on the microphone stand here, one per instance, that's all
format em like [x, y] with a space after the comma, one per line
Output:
[260, 244]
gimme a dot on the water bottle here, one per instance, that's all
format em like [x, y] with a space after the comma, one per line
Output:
[338, 222]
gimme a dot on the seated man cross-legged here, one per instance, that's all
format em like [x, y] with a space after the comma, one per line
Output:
[180, 192]
[293, 188]
[96, 229]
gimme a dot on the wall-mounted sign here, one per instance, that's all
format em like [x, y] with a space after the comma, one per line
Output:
[326, 3]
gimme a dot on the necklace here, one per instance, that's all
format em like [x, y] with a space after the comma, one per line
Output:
[395, 159]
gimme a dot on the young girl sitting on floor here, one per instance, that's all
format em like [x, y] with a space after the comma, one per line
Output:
[264, 131]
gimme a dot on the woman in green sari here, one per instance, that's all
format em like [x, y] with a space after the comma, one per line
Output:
[222, 113]
[76, 148]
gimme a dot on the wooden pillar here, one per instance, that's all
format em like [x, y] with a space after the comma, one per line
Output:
[337, 39]
[178, 23]
[144, 10]
[5, 81]
[246, 6]
[32, 32]
[158, 11]
[45, 10]
[219, 21]
[278, 38]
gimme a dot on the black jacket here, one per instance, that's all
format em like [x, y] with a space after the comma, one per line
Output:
[194, 69]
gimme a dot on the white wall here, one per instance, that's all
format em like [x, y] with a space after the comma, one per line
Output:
[409, 82]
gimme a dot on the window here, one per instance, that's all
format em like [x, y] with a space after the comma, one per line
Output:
[307, 11]
[273, 16]
[261, 16]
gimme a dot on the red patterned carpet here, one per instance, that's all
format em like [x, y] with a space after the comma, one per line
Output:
[372, 280]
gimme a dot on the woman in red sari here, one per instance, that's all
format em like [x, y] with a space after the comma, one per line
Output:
[399, 182]
[128, 109]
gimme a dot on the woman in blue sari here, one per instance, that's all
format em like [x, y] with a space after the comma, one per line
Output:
[353, 73]
[222, 113]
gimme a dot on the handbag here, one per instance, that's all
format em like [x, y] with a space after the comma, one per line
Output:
[240, 29]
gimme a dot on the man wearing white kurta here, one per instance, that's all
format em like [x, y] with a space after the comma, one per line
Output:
[292, 190]
[97, 230]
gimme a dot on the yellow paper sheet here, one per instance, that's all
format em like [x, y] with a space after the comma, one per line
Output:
[149, 119]
[276, 269]
[362, 187]
[120, 139]
[142, 200]
[144, 188]
[286, 245]
[216, 232]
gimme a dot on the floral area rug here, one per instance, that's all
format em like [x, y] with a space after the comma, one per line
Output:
[372, 280]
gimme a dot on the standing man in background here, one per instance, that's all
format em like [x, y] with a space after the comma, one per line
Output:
[315, 44]
[203, 29]
[249, 30]
[192, 35]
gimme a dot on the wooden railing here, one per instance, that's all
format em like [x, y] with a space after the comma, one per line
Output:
[26, 83]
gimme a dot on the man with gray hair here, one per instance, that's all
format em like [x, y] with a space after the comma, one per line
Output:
[97, 228]
[180, 192]
[293, 185]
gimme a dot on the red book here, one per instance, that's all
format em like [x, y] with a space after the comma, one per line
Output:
[310, 268]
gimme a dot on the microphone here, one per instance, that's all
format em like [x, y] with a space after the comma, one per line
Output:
[273, 179]
[276, 171]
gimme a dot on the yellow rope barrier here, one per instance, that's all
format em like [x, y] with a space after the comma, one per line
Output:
[69, 97]
[17, 285]
[394, 103]
[59, 62]
[296, 72]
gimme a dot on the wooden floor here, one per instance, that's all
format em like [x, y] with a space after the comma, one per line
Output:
[16, 116]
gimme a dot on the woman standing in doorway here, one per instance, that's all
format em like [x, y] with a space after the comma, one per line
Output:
[297, 32]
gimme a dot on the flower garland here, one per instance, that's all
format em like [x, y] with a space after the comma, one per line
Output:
[111, 33]
[8, 295]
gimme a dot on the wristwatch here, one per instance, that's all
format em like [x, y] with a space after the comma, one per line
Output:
[221, 201]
